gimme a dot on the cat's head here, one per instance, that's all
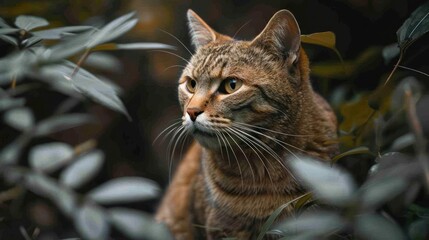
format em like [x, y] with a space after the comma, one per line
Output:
[229, 85]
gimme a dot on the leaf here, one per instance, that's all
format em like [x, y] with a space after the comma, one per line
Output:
[313, 223]
[60, 123]
[389, 52]
[50, 156]
[419, 229]
[30, 22]
[7, 103]
[91, 222]
[20, 118]
[58, 33]
[125, 189]
[104, 61]
[377, 192]
[415, 26]
[325, 39]
[354, 151]
[99, 91]
[8, 30]
[403, 141]
[330, 184]
[138, 225]
[11, 153]
[398, 96]
[83, 169]
[267, 225]
[113, 30]
[70, 46]
[3, 23]
[143, 46]
[9, 39]
[375, 227]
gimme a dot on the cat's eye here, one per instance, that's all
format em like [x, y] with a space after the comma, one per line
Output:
[230, 85]
[191, 84]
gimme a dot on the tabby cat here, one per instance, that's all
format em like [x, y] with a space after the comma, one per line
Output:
[250, 107]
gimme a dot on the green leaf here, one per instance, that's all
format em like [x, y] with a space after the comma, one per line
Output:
[267, 225]
[91, 222]
[143, 46]
[125, 189]
[419, 229]
[330, 184]
[375, 227]
[377, 192]
[11, 153]
[82, 170]
[99, 91]
[8, 30]
[325, 39]
[70, 46]
[58, 33]
[354, 151]
[113, 30]
[9, 39]
[60, 123]
[403, 141]
[415, 26]
[389, 52]
[103, 61]
[30, 22]
[137, 225]
[50, 156]
[20, 118]
[7, 103]
[314, 223]
[3, 23]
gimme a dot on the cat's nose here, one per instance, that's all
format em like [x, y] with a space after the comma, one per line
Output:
[194, 112]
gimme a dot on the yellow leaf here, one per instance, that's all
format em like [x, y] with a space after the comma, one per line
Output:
[325, 39]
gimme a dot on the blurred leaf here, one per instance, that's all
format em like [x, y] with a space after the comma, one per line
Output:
[419, 230]
[50, 156]
[138, 225]
[374, 194]
[20, 118]
[29, 42]
[3, 23]
[42, 185]
[143, 46]
[11, 153]
[8, 30]
[113, 30]
[403, 141]
[324, 39]
[415, 26]
[125, 189]
[390, 51]
[99, 91]
[267, 225]
[354, 151]
[83, 169]
[376, 227]
[330, 184]
[103, 61]
[313, 223]
[70, 46]
[7, 103]
[61, 122]
[9, 39]
[399, 92]
[30, 22]
[91, 222]
[58, 33]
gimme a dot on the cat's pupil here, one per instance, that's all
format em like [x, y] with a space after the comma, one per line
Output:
[232, 83]
[193, 83]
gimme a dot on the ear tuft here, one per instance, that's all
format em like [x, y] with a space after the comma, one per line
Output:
[201, 33]
[281, 35]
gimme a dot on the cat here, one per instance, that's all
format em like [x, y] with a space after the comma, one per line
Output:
[250, 107]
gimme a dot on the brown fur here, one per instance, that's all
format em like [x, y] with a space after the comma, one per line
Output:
[233, 177]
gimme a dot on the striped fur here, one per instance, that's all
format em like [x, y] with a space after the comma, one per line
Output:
[235, 174]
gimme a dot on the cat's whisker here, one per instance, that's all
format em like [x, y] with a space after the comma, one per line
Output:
[236, 159]
[270, 130]
[165, 130]
[242, 26]
[173, 66]
[254, 148]
[170, 152]
[184, 59]
[244, 154]
[222, 137]
[181, 43]
[267, 148]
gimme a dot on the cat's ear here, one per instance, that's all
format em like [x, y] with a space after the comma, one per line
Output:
[281, 35]
[201, 32]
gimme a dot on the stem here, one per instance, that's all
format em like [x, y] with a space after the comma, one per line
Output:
[395, 67]
[10, 194]
[13, 85]
[80, 62]
[416, 127]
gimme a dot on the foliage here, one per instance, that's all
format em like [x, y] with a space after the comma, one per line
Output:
[56, 170]
[387, 128]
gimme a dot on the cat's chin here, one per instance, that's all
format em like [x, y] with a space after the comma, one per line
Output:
[207, 140]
